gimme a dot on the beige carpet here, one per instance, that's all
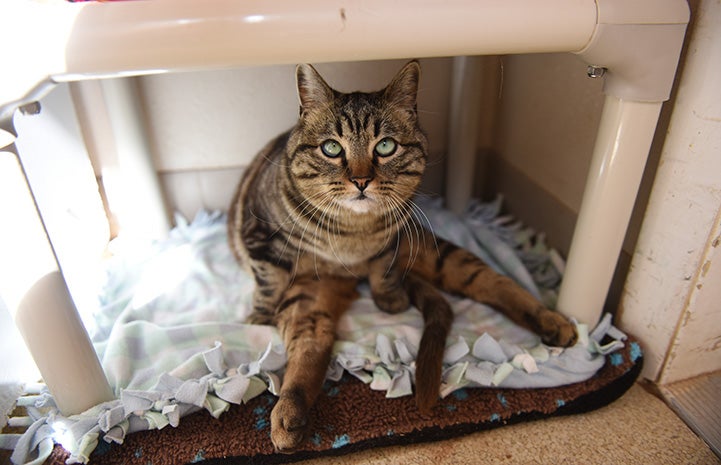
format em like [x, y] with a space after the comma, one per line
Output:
[637, 429]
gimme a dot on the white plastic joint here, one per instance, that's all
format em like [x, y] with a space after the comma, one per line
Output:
[638, 43]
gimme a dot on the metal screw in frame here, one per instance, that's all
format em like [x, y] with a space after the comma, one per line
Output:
[594, 71]
[32, 108]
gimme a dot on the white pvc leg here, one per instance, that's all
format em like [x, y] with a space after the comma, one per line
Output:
[462, 131]
[622, 144]
[55, 335]
[132, 183]
[36, 295]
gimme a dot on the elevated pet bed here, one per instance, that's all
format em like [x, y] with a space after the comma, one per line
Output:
[171, 340]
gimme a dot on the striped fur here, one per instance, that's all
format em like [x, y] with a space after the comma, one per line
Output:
[328, 204]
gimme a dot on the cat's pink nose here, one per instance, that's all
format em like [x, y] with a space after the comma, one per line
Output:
[361, 182]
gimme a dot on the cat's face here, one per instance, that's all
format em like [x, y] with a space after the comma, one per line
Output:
[359, 152]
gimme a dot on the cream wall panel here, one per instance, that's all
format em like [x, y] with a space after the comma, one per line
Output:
[216, 119]
[190, 191]
[549, 113]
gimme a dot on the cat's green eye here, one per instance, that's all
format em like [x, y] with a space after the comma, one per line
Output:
[386, 147]
[331, 148]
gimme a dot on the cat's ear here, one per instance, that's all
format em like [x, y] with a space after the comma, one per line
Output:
[313, 91]
[403, 89]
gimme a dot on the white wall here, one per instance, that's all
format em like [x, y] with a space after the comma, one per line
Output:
[672, 298]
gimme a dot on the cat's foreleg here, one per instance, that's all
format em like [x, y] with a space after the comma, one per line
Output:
[270, 284]
[306, 317]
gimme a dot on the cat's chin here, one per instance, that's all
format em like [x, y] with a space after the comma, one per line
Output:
[361, 205]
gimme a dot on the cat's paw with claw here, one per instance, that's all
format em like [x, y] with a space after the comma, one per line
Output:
[288, 422]
[555, 329]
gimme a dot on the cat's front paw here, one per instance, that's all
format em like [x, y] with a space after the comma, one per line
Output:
[288, 422]
[555, 329]
[392, 301]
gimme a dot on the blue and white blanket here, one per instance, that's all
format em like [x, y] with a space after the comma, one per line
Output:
[171, 338]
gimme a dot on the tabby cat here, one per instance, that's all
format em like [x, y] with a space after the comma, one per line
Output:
[328, 204]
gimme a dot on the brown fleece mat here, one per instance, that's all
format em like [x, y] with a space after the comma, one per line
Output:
[349, 416]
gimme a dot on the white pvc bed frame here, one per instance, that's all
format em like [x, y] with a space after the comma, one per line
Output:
[634, 44]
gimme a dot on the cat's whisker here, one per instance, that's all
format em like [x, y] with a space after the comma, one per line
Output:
[299, 246]
[422, 217]
[414, 252]
[323, 208]
[332, 240]
[441, 160]
[389, 229]
[288, 219]
[260, 219]
[267, 158]
[428, 112]
[307, 206]
[400, 211]
[389, 208]
[308, 210]
[420, 237]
